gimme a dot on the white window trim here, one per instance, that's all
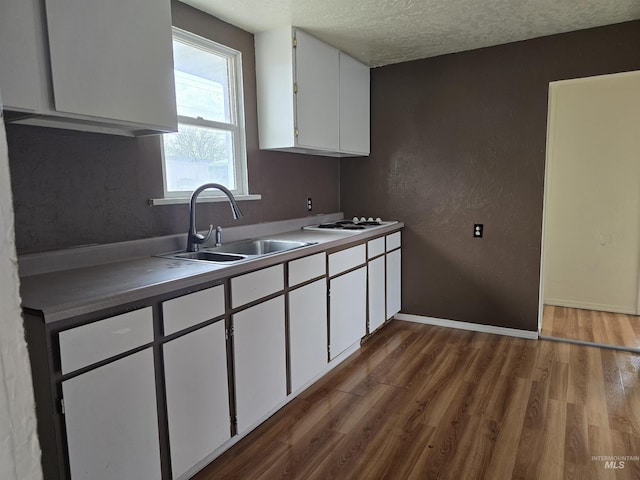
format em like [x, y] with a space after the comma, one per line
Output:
[241, 192]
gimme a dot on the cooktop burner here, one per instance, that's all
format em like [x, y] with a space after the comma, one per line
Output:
[356, 225]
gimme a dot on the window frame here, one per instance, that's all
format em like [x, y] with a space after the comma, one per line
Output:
[236, 110]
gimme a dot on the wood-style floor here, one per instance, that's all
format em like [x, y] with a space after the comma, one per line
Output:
[606, 328]
[425, 402]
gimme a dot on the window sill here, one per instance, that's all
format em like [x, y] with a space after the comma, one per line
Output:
[201, 199]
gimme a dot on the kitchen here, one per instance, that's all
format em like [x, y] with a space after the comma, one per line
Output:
[478, 117]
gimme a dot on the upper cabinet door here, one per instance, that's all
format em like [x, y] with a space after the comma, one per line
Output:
[317, 100]
[354, 106]
[113, 60]
[20, 76]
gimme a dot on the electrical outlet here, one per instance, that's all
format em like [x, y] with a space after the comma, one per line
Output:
[478, 229]
[309, 204]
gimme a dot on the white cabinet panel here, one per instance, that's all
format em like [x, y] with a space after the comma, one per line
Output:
[307, 332]
[260, 360]
[20, 49]
[375, 247]
[93, 342]
[376, 293]
[307, 268]
[394, 241]
[317, 99]
[111, 421]
[354, 106]
[114, 62]
[189, 310]
[394, 279]
[346, 259]
[255, 285]
[348, 310]
[197, 395]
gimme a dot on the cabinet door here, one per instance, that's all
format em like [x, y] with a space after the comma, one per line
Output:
[348, 310]
[20, 55]
[112, 421]
[113, 60]
[394, 282]
[197, 395]
[317, 100]
[354, 106]
[376, 292]
[259, 360]
[307, 332]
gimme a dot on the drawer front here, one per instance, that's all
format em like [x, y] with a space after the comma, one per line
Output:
[189, 310]
[393, 241]
[307, 268]
[97, 341]
[347, 259]
[255, 285]
[375, 247]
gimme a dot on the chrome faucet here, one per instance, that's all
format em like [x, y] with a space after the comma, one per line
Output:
[195, 239]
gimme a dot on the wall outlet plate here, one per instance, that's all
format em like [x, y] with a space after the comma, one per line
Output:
[478, 230]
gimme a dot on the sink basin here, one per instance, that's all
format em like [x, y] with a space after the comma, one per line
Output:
[209, 256]
[238, 251]
[258, 247]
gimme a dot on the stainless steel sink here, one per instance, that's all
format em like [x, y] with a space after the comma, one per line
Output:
[258, 247]
[208, 256]
[238, 251]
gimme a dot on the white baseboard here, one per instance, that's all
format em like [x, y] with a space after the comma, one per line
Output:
[554, 302]
[475, 327]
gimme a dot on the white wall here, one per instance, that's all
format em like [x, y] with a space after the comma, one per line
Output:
[19, 447]
[592, 210]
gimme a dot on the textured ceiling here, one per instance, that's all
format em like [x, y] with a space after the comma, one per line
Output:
[380, 32]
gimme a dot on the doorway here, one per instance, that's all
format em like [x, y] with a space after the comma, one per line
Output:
[590, 267]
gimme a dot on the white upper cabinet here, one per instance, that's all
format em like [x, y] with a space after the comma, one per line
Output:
[312, 98]
[101, 66]
[19, 66]
[354, 105]
[317, 88]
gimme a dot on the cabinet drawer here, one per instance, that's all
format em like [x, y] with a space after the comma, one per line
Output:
[307, 268]
[97, 341]
[189, 310]
[375, 247]
[347, 259]
[393, 241]
[252, 286]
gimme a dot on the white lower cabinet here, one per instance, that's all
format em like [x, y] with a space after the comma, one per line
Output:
[394, 278]
[259, 348]
[376, 292]
[347, 310]
[112, 422]
[197, 396]
[307, 332]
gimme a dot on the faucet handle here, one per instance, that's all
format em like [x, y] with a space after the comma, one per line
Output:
[200, 239]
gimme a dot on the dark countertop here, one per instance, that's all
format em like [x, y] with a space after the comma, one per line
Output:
[65, 294]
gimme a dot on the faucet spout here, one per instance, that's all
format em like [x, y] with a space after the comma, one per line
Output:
[194, 239]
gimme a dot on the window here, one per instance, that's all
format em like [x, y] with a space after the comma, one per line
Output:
[210, 143]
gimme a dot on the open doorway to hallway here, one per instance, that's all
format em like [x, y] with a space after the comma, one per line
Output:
[591, 231]
[592, 326]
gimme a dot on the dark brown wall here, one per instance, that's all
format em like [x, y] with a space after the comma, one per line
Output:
[73, 188]
[460, 139]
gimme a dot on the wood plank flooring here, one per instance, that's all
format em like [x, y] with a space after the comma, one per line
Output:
[616, 329]
[425, 402]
